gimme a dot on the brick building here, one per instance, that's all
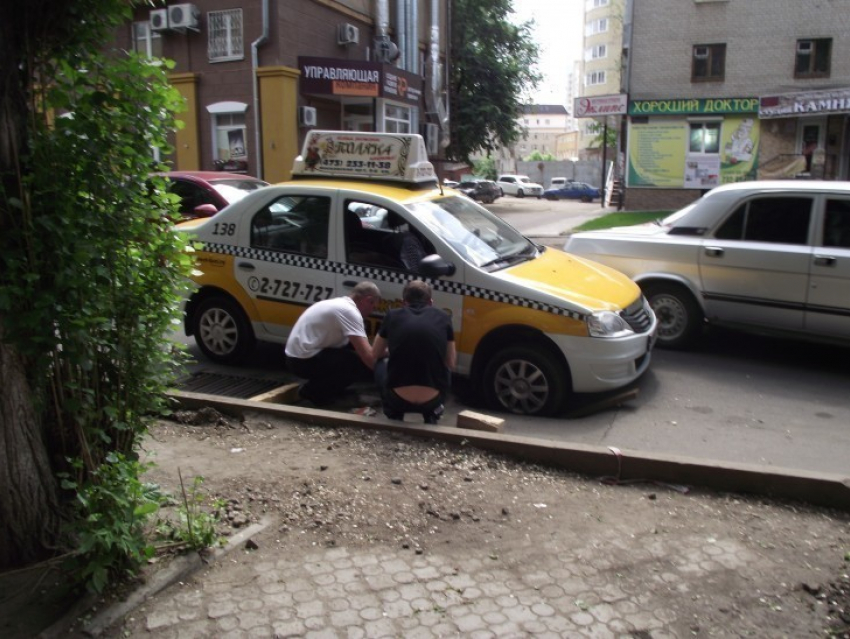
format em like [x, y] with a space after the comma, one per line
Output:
[725, 90]
[258, 74]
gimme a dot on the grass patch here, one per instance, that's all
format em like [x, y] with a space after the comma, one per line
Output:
[621, 219]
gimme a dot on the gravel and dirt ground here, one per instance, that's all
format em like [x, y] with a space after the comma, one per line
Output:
[325, 487]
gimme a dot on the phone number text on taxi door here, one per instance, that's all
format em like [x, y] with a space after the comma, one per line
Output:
[283, 289]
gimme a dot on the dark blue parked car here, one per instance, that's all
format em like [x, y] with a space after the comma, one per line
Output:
[573, 191]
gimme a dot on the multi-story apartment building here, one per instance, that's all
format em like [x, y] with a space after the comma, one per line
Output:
[601, 66]
[728, 90]
[543, 124]
[257, 74]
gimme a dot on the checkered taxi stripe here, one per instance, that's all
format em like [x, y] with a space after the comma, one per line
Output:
[385, 275]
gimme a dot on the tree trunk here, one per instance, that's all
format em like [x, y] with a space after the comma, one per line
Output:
[28, 506]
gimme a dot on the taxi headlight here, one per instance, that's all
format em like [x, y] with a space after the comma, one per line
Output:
[607, 324]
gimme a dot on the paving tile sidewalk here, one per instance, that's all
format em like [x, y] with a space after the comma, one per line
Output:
[617, 585]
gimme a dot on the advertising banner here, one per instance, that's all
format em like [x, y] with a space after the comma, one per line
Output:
[358, 78]
[600, 105]
[790, 105]
[659, 154]
[386, 156]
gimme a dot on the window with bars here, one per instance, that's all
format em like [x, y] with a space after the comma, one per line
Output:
[146, 42]
[709, 63]
[813, 58]
[225, 35]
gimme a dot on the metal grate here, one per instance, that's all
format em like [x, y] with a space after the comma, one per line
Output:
[227, 385]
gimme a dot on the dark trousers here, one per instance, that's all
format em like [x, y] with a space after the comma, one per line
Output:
[328, 373]
[395, 407]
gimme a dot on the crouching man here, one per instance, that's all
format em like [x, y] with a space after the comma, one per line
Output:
[415, 354]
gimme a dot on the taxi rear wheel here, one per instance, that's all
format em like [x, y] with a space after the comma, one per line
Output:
[222, 331]
[526, 381]
[680, 319]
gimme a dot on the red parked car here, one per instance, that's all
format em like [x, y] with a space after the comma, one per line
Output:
[205, 193]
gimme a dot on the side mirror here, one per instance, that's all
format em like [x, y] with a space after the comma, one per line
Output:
[435, 266]
[205, 210]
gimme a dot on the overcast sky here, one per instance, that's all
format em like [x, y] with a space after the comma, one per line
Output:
[558, 32]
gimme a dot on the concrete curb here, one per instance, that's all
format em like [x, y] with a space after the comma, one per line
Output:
[620, 466]
[179, 570]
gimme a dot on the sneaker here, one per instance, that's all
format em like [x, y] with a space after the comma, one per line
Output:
[434, 416]
[305, 397]
[394, 414]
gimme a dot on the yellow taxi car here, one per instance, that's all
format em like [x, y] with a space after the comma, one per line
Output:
[531, 323]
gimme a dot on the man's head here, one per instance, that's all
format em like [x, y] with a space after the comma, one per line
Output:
[366, 296]
[417, 293]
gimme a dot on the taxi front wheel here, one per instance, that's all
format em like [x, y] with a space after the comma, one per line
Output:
[526, 381]
[222, 331]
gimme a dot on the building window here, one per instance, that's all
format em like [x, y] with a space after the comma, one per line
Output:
[225, 35]
[229, 136]
[593, 4]
[596, 53]
[813, 58]
[594, 78]
[709, 63]
[705, 137]
[397, 119]
[146, 42]
[596, 26]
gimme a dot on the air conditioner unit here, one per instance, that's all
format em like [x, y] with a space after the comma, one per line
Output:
[432, 139]
[701, 53]
[804, 46]
[159, 19]
[183, 16]
[347, 34]
[307, 116]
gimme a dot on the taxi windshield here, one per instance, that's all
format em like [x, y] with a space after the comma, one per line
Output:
[476, 234]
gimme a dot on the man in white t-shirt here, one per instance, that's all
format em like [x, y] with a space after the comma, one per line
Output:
[328, 344]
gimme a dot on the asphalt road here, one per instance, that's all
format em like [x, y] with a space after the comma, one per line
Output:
[737, 398]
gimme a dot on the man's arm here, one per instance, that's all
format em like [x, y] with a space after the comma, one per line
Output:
[363, 349]
[379, 348]
[451, 355]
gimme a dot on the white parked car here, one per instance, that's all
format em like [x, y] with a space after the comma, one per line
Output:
[771, 257]
[519, 185]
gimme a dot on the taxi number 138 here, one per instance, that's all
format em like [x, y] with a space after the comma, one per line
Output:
[276, 289]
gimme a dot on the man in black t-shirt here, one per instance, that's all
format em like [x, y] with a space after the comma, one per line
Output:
[415, 354]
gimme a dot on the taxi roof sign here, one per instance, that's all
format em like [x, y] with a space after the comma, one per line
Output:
[352, 154]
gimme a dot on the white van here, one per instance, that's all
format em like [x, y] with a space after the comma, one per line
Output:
[559, 182]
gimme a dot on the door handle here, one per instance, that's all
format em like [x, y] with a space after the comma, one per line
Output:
[246, 266]
[349, 283]
[714, 251]
[824, 260]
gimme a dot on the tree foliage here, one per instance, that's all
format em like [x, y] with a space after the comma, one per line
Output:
[602, 136]
[493, 68]
[91, 273]
[537, 156]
